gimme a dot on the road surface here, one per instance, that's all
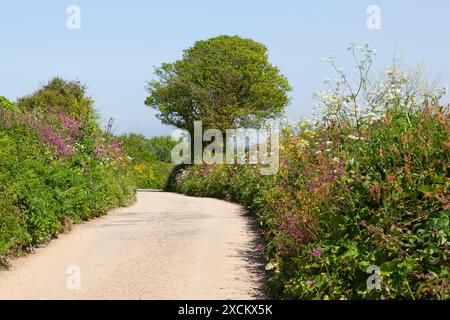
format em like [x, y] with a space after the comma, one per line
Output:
[165, 246]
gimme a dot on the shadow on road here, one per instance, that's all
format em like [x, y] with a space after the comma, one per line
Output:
[252, 255]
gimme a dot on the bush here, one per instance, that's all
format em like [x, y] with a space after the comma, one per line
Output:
[56, 166]
[150, 158]
[342, 205]
[354, 190]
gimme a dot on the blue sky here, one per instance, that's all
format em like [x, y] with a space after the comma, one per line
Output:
[120, 42]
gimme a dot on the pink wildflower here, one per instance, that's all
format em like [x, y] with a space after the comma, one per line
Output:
[315, 252]
[311, 282]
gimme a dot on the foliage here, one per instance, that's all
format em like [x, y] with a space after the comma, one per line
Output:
[56, 166]
[225, 82]
[68, 97]
[146, 149]
[150, 159]
[352, 191]
[354, 103]
[6, 104]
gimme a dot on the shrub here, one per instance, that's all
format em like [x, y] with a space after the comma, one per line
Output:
[56, 166]
[354, 189]
[150, 158]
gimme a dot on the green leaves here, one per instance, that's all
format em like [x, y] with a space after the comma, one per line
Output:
[383, 203]
[41, 193]
[351, 252]
[6, 104]
[151, 159]
[224, 81]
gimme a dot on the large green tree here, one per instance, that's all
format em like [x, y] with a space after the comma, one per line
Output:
[226, 82]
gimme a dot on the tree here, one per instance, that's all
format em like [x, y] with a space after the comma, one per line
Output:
[226, 82]
[59, 95]
[6, 104]
[147, 149]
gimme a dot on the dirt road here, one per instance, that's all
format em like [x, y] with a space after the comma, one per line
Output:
[166, 246]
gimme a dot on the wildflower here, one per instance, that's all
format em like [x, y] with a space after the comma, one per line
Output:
[311, 282]
[330, 59]
[336, 159]
[259, 248]
[391, 72]
[353, 137]
[315, 252]
[305, 142]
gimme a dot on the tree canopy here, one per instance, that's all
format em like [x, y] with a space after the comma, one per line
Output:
[60, 95]
[226, 82]
[147, 149]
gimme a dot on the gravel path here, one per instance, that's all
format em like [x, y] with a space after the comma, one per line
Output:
[166, 246]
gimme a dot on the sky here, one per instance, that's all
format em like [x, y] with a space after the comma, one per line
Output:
[119, 43]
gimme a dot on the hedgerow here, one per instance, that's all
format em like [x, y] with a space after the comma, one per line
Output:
[150, 159]
[365, 185]
[56, 166]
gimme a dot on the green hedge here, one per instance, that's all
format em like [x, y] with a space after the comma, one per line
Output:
[150, 159]
[56, 166]
[345, 199]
